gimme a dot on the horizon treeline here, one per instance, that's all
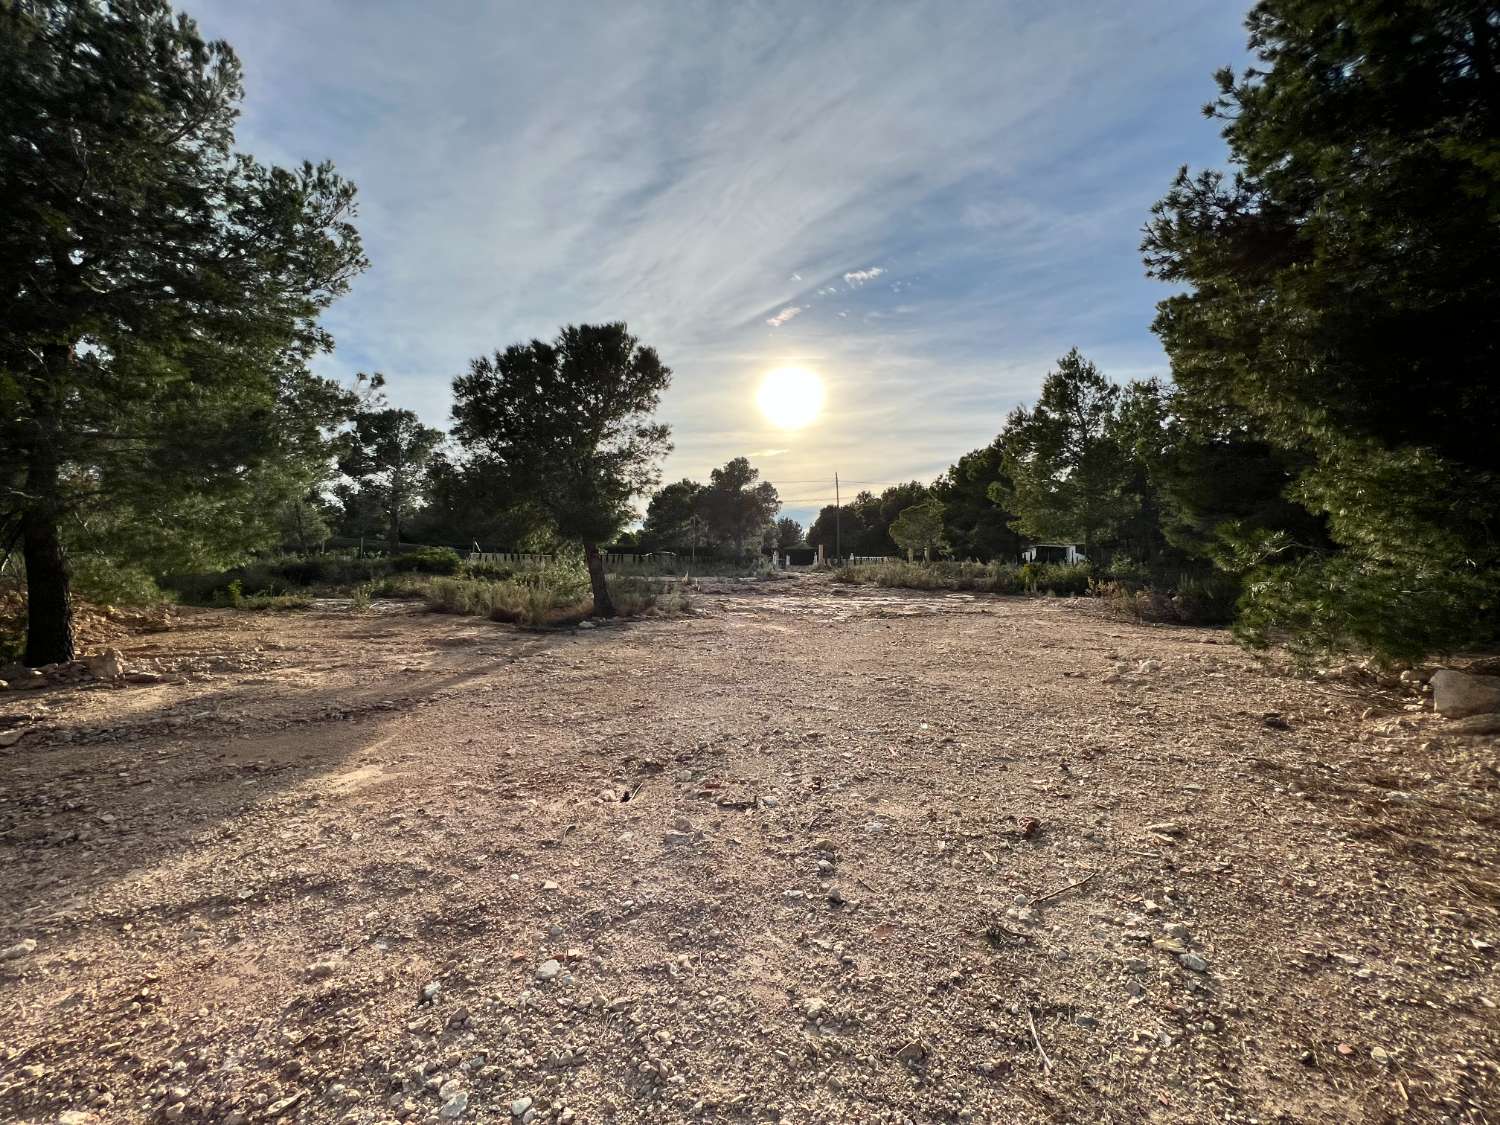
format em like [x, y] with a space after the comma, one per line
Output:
[1327, 438]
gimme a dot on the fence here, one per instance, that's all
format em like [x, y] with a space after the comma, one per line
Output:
[530, 558]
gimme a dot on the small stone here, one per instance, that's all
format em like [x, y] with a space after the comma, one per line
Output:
[24, 948]
[549, 887]
[174, 1111]
[548, 969]
[519, 1107]
[430, 991]
[107, 665]
[835, 897]
[321, 970]
[1380, 1054]
[1194, 962]
[769, 802]
[454, 1107]
[449, 1088]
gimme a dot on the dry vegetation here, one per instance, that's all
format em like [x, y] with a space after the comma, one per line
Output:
[813, 853]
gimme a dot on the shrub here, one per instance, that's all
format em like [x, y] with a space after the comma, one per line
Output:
[102, 580]
[555, 595]
[428, 560]
[994, 578]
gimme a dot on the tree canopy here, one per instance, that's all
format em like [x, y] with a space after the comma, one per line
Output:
[160, 295]
[919, 527]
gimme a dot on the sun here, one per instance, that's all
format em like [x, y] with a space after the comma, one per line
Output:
[790, 397]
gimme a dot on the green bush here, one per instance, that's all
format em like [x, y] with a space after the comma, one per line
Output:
[428, 560]
[993, 578]
[102, 580]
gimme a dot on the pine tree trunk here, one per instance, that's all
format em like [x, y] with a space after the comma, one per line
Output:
[603, 606]
[49, 605]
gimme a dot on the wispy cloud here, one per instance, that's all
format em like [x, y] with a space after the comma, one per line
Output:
[522, 166]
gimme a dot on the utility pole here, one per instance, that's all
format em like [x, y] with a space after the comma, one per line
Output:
[838, 519]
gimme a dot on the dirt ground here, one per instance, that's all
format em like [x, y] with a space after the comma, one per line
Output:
[812, 854]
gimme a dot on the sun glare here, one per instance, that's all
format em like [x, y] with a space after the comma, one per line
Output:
[790, 397]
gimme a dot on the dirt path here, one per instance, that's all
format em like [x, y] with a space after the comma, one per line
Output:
[812, 855]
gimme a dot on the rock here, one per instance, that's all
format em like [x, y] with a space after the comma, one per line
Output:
[548, 969]
[550, 887]
[459, 1018]
[174, 1111]
[768, 802]
[519, 1107]
[1148, 666]
[1194, 962]
[10, 738]
[107, 665]
[1380, 1054]
[1459, 694]
[585, 624]
[454, 1107]
[23, 948]
[1474, 724]
[430, 991]
[815, 1008]
[914, 1051]
[449, 1088]
[74, 1117]
[322, 970]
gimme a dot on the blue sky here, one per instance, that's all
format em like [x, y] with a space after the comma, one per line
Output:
[926, 203]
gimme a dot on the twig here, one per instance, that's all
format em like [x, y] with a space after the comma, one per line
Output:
[1063, 890]
[1037, 1039]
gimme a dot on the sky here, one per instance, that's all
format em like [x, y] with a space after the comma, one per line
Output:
[925, 203]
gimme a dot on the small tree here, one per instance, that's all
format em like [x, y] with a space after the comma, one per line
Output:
[737, 505]
[918, 528]
[568, 424]
[1068, 471]
[387, 459]
[672, 521]
[788, 534]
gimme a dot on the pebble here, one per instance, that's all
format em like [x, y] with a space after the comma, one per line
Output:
[455, 1106]
[548, 969]
[519, 1107]
[430, 991]
[1194, 962]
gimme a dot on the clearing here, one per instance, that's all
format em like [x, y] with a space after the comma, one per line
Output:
[812, 854]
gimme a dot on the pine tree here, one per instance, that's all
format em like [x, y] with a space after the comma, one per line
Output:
[159, 292]
[1343, 308]
[567, 425]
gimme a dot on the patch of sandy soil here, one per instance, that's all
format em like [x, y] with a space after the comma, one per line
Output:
[811, 854]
